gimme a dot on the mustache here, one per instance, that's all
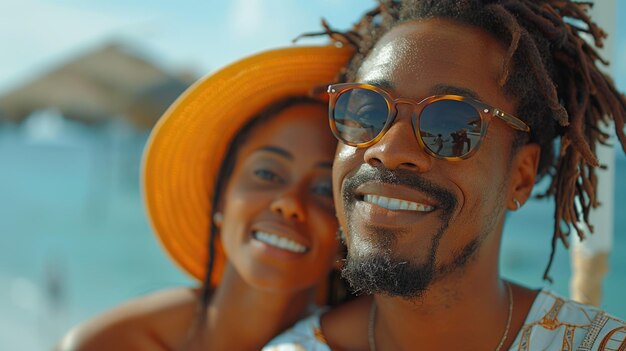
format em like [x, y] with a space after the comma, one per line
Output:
[366, 173]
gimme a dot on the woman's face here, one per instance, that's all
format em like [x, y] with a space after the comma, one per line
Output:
[279, 228]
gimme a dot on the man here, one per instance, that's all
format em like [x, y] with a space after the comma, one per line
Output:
[423, 226]
[438, 142]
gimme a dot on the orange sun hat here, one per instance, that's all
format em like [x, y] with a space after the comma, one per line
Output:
[186, 148]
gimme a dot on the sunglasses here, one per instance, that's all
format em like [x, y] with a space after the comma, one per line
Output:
[449, 127]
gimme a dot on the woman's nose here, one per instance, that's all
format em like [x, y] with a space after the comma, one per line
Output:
[290, 205]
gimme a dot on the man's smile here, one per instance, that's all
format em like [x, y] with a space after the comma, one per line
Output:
[390, 205]
[396, 204]
[395, 197]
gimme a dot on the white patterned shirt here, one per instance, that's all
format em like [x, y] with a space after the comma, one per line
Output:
[552, 324]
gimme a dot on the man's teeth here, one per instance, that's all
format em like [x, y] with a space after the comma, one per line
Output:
[396, 204]
[279, 242]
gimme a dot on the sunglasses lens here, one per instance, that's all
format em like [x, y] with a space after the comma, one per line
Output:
[359, 115]
[450, 128]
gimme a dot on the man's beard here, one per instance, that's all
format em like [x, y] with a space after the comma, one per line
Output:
[377, 269]
[384, 273]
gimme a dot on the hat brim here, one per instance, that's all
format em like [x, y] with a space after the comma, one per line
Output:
[187, 146]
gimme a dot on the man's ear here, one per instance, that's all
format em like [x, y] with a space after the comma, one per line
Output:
[523, 175]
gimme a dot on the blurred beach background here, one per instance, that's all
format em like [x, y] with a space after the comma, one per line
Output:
[82, 83]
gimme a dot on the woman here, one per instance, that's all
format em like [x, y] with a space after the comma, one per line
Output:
[244, 156]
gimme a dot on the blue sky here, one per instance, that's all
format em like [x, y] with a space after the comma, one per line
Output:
[201, 35]
[36, 35]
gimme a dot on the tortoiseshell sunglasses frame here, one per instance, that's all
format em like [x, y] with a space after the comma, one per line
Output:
[485, 111]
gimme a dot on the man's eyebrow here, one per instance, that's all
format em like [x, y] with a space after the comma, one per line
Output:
[381, 83]
[277, 150]
[439, 89]
[443, 89]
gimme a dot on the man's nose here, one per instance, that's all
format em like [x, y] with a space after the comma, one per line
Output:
[399, 147]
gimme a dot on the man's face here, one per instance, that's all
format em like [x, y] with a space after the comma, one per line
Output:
[460, 205]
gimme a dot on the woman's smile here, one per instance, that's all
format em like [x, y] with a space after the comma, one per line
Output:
[279, 225]
[278, 241]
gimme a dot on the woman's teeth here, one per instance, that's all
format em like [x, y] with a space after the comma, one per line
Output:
[396, 204]
[279, 242]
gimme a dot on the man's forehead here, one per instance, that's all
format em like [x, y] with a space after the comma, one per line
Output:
[417, 38]
[436, 56]
[377, 71]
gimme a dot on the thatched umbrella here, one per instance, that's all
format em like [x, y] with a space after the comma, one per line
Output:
[96, 86]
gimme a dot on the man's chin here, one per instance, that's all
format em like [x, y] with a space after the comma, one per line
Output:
[385, 275]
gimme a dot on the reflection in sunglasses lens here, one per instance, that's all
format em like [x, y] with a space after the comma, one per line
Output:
[360, 115]
[450, 128]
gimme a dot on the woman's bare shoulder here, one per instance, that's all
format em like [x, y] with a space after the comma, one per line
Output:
[158, 321]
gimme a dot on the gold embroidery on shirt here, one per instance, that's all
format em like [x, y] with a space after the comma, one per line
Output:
[525, 339]
[614, 340]
[596, 326]
[550, 320]
[317, 332]
[568, 338]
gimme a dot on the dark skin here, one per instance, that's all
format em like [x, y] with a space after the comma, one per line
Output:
[415, 60]
[281, 185]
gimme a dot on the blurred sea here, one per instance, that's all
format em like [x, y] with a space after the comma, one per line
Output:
[74, 240]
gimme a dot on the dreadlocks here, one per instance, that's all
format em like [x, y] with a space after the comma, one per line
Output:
[551, 69]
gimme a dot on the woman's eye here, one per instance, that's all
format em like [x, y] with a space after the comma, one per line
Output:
[267, 175]
[324, 189]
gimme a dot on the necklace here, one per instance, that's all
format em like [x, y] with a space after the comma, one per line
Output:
[372, 319]
[370, 326]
